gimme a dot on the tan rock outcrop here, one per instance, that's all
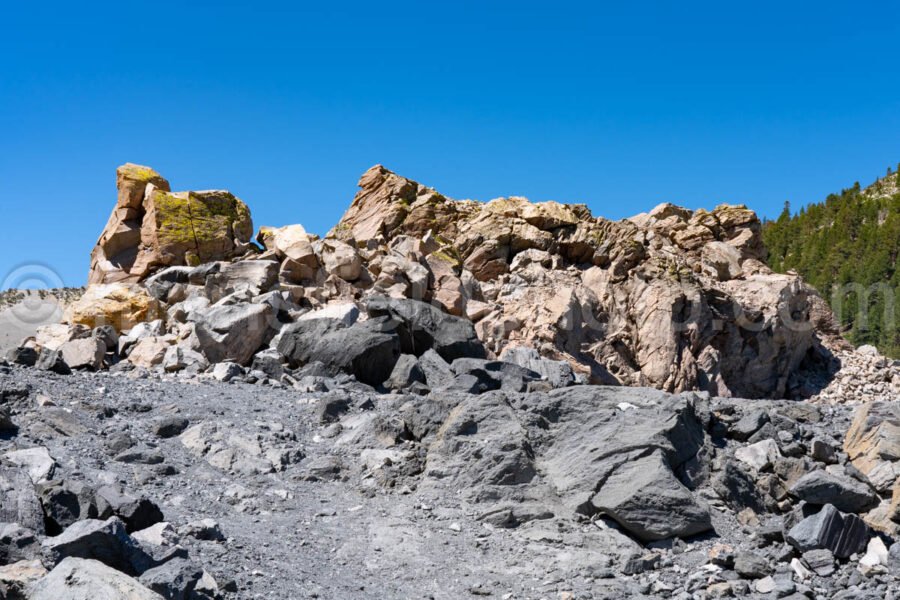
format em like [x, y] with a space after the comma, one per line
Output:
[873, 443]
[674, 299]
[118, 304]
[151, 227]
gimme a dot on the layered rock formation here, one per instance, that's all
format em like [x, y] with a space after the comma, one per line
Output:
[672, 299]
[151, 228]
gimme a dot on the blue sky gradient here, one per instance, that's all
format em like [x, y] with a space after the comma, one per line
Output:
[620, 107]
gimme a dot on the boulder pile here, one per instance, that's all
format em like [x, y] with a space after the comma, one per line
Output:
[672, 299]
[129, 484]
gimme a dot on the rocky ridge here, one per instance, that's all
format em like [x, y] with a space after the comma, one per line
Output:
[672, 299]
[340, 417]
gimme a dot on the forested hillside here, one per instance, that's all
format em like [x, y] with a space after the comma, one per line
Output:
[847, 247]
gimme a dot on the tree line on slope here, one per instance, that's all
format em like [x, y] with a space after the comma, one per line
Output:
[847, 248]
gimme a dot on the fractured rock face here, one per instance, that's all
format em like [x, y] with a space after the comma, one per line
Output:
[151, 227]
[646, 498]
[672, 299]
[80, 579]
[873, 443]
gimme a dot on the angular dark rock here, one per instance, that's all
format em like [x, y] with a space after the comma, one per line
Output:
[750, 565]
[820, 561]
[406, 372]
[174, 579]
[368, 355]
[421, 326]
[104, 541]
[136, 513]
[167, 427]
[23, 355]
[438, 373]
[749, 424]
[842, 534]
[17, 543]
[52, 360]
[645, 498]
[66, 502]
[736, 487]
[844, 493]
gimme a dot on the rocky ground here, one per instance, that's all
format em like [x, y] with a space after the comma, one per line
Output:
[403, 409]
[348, 493]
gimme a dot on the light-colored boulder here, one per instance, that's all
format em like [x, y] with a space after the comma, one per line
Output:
[290, 242]
[149, 352]
[54, 335]
[85, 579]
[85, 353]
[15, 578]
[121, 305]
[347, 313]
[37, 461]
[233, 333]
[341, 260]
[759, 455]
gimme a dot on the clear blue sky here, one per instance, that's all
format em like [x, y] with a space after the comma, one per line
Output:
[619, 105]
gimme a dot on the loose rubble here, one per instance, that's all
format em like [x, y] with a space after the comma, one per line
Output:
[408, 408]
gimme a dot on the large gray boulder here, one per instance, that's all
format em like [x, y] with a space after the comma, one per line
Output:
[105, 541]
[422, 326]
[175, 579]
[81, 579]
[359, 350]
[845, 494]
[85, 353]
[648, 501]
[593, 450]
[233, 332]
[597, 429]
[18, 501]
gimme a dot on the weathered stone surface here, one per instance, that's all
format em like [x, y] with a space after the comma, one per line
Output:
[760, 455]
[52, 360]
[16, 578]
[341, 260]
[136, 513]
[37, 462]
[572, 285]
[117, 304]
[80, 579]
[829, 529]
[174, 580]
[406, 372]
[557, 372]
[17, 543]
[65, 502]
[645, 498]
[105, 541]
[83, 354]
[421, 327]
[151, 228]
[844, 493]
[873, 443]
[18, 501]
[233, 333]
[367, 354]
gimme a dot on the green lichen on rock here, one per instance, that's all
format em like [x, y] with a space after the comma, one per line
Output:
[139, 173]
[174, 219]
